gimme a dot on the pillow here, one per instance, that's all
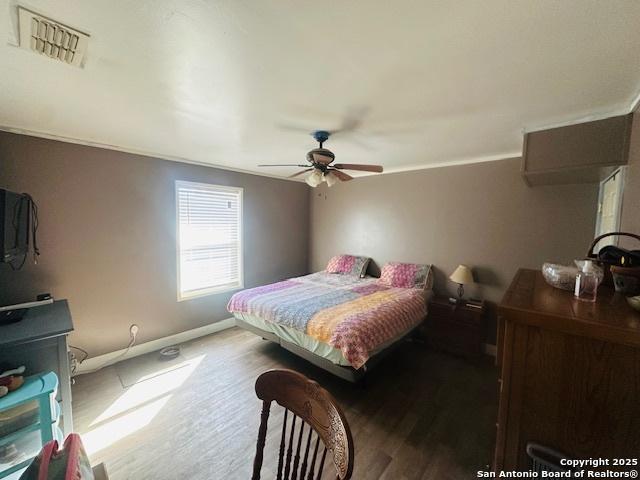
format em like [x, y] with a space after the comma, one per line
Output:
[348, 264]
[405, 275]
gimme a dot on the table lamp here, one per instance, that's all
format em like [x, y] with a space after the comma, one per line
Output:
[462, 276]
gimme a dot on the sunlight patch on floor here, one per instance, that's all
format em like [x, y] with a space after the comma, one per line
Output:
[149, 387]
[137, 406]
[115, 430]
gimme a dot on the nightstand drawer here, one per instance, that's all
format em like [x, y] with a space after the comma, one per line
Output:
[453, 336]
[457, 329]
[460, 314]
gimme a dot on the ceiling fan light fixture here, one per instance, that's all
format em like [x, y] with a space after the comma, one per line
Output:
[330, 178]
[320, 164]
[320, 155]
[314, 178]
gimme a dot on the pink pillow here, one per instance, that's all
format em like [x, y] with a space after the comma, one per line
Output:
[348, 264]
[404, 275]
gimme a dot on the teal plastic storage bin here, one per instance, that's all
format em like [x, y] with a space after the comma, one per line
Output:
[28, 419]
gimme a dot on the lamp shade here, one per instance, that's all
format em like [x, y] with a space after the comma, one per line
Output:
[330, 178]
[314, 179]
[462, 275]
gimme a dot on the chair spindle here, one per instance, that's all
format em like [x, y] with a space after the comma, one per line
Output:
[262, 434]
[296, 459]
[313, 459]
[283, 440]
[321, 467]
[287, 467]
[303, 468]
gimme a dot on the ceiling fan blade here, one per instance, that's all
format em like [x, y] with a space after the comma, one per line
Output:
[301, 172]
[345, 177]
[284, 165]
[293, 128]
[353, 118]
[355, 166]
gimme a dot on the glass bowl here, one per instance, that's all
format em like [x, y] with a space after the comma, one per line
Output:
[560, 276]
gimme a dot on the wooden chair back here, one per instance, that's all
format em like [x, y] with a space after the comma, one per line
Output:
[309, 409]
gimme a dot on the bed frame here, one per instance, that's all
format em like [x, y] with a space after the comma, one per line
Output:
[346, 373]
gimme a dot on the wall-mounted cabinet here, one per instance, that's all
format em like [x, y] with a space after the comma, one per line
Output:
[582, 153]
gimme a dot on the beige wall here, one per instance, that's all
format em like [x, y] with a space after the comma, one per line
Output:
[630, 221]
[482, 215]
[107, 230]
[107, 236]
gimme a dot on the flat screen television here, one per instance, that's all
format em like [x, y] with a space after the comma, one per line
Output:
[14, 225]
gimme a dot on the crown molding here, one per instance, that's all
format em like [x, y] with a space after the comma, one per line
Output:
[576, 121]
[174, 158]
[631, 108]
[633, 105]
[453, 163]
[134, 151]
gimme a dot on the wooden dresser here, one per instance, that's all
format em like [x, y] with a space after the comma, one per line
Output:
[570, 373]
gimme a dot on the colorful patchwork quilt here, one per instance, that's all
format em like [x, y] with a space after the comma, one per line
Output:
[351, 314]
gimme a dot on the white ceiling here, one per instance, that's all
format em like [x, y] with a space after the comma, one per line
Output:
[431, 82]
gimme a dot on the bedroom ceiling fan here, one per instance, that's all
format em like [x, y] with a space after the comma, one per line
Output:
[322, 167]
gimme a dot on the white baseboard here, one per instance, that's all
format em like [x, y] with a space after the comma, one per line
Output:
[490, 349]
[95, 363]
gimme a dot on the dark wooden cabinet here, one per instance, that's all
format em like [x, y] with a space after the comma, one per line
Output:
[457, 329]
[570, 374]
[582, 153]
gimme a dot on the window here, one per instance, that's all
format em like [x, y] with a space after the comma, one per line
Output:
[209, 239]
[609, 207]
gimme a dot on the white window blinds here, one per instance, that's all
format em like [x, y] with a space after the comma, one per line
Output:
[209, 238]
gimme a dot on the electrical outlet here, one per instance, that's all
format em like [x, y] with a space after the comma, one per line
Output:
[73, 362]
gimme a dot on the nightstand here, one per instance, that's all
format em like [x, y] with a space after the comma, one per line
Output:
[457, 329]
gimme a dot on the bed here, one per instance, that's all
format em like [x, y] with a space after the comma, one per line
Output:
[342, 323]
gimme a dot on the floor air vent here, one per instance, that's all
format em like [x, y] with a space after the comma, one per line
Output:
[51, 38]
[545, 459]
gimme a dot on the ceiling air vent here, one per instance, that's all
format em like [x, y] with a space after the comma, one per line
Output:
[51, 38]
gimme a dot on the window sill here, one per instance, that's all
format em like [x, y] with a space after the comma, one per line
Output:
[208, 291]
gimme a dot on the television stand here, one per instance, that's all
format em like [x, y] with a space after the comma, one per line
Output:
[14, 313]
[39, 342]
[12, 316]
[26, 305]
